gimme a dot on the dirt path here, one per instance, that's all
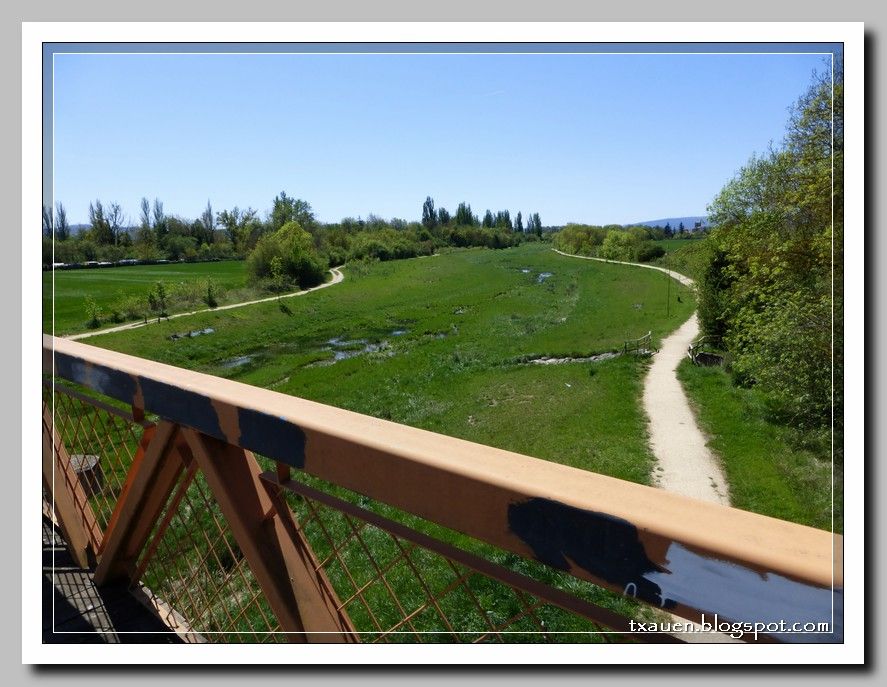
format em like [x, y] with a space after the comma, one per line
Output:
[335, 271]
[685, 464]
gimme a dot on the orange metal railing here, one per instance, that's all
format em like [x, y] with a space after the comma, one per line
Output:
[241, 514]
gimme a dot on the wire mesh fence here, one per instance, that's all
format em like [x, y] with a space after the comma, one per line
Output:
[393, 580]
[193, 563]
[399, 584]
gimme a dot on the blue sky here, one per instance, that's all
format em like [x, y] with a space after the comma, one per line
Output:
[584, 138]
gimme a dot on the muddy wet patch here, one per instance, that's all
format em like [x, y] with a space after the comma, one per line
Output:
[543, 276]
[239, 361]
[562, 361]
[343, 349]
[191, 334]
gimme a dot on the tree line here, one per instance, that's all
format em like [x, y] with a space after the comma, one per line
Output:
[287, 247]
[612, 241]
[464, 217]
[771, 283]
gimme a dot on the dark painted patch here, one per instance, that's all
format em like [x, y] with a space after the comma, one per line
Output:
[169, 402]
[105, 380]
[272, 436]
[181, 406]
[603, 545]
[260, 432]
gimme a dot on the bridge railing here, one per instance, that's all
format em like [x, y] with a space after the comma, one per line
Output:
[638, 346]
[242, 514]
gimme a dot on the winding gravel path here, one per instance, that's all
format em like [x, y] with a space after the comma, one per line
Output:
[685, 465]
[335, 271]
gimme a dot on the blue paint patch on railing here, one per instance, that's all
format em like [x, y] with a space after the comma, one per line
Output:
[181, 406]
[272, 436]
[605, 546]
[107, 381]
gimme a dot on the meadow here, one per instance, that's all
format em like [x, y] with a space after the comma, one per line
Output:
[772, 469]
[108, 286]
[444, 343]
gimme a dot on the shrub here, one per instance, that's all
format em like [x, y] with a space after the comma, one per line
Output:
[93, 313]
[300, 261]
[210, 296]
[650, 251]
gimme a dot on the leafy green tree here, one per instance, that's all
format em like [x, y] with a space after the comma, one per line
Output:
[771, 270]
[208, 223]
[464, 216]
[179, 246]
[489, 221]
[99, 227]
[93, 313]
[62, 228]
[241, 227]
[519, 222]
[295, 247]
[429, 218]
[503, 220]
[115, 222]
[161, 226]
[286, 209]
[619, 245]
[157, 300]
[144, 214]
[210, 295]
[443, 217]
[278, 279]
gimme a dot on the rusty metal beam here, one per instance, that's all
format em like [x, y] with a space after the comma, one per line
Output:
[282, 563]
[659, 547]
[150, 479]
[70, 504]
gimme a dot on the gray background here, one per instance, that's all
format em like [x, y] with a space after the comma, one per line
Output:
[452, 10]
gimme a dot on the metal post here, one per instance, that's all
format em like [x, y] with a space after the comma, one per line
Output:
[668, 295]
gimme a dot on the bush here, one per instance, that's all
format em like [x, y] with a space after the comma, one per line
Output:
[93, 313]
[294, 246]
[650, 251]
[177, 246]
[210, 296]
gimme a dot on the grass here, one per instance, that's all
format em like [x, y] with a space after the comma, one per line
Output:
[671, 245]
[442, 343]
[448, 339]
[683, 255]
[109, 286]
[769, 472]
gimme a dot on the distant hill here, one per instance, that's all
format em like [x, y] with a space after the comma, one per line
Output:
[675, 222]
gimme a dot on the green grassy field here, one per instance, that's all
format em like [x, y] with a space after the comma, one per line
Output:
[671, 245]
[767, 470]
[110, 285]
[683, 255]
[440, 343]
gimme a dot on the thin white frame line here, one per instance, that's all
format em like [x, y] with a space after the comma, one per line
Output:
[196, 54]
[702, 53]
[832, 376]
